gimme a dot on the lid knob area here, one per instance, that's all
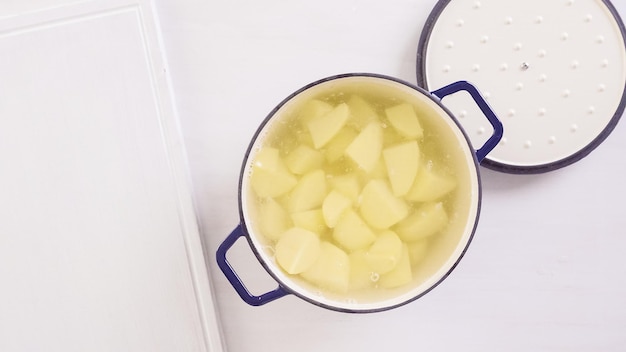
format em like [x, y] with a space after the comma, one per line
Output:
[554, 72]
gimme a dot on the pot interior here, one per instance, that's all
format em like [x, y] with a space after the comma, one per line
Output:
[443, 144]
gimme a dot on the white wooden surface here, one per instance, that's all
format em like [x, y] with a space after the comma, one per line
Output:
[99, 244]
[546, 270]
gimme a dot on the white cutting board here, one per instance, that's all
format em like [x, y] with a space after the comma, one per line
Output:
[99, 246]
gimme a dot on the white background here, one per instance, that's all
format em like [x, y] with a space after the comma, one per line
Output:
[545, 271]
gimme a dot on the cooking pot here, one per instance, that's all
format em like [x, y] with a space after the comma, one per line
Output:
[443, 253]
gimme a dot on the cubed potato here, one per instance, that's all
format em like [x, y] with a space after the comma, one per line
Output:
[400, 275]
[273, 219]
[417, 251]
[402, 161]
[404, 119]
[297, 250]
[335, 204]
[309, 193]
[352, 233]
[366, 148]
[379, 207]
[360, 271]
[304, 159]
[304, 138]
[325, 127]
[426, 221]
[331, 270]
[312, 110]
[347, 185]
[271, 183]
[268, 158]
[385, 253]
[391, 136]
[379, 171]
[270, 176]
[361, 112]
[430, 185]
[311, 220]
[336, 148]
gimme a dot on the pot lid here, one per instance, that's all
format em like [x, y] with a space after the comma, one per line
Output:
[553, 71]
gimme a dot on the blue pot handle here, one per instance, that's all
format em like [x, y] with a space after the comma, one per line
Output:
[234, 279]
[498, 129]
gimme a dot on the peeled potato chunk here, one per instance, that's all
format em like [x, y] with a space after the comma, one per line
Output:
[309, 193]
[336, 148]
[331, 270]
[430, 185]
[270, 176]
[362, 112]
[347, 185]
[297, 250]
[352, 233]
[311, 220]
[404, 120]
[426, 221]
[335, 204]
[385, 253]
[417, 251]
[314, 109]
[360, 271]
[391, 137]
[325, 127]
[402, 161]
[273, 219]
[400, 275]
[379, 207]
[378, 171]
[365, 149]
[304, 159]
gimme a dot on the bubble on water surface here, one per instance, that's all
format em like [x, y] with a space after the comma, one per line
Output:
[374, 277]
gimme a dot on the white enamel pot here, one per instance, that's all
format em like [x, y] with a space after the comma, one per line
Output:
[453, 248]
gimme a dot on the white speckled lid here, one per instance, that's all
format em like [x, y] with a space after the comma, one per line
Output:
[553, 71]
